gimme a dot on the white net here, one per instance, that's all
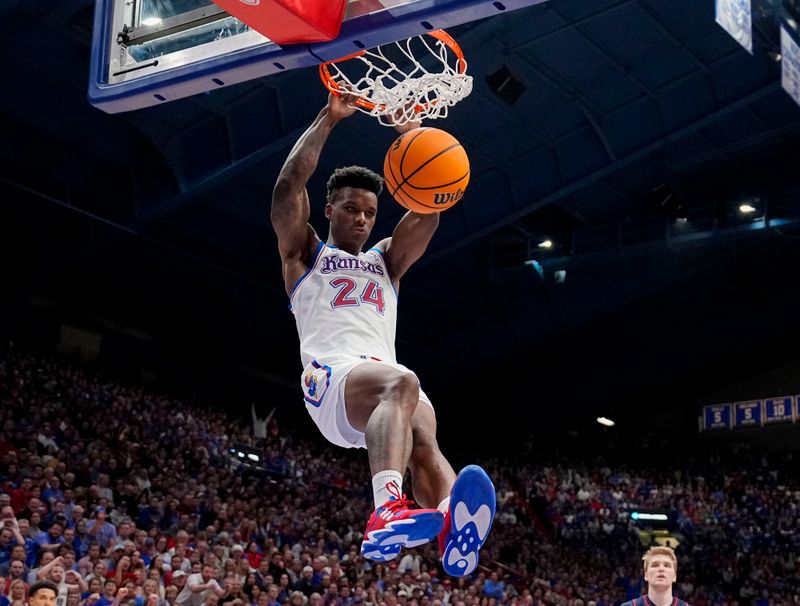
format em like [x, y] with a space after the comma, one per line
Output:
[405, 81]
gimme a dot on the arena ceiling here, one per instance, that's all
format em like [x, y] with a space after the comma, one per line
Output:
[638, 129]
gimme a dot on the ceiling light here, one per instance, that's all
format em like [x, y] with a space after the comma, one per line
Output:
[747, 209]
[151, 21]
[605, 422]
[546, 244]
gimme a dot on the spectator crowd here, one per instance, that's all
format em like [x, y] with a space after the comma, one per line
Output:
[123, 497]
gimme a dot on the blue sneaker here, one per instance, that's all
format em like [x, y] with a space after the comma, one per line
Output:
[467, 522]
[395, 525]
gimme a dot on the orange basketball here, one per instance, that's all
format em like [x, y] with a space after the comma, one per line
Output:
[426, 170]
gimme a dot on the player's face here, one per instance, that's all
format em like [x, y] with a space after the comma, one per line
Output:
[352, 213]
[43, 597]
[660, 572]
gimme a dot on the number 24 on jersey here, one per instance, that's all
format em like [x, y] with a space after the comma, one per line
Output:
[371, 295]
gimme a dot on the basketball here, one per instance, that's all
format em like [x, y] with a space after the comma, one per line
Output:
[426, 170]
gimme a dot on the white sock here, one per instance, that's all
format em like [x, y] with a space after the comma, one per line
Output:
[380, 485]
[444, 505]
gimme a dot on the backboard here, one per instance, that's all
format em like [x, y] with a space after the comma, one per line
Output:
[146, 52]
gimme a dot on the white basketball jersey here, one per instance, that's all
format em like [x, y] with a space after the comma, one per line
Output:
[345, 305]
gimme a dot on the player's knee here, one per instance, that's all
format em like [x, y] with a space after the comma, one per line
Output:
[404, 391]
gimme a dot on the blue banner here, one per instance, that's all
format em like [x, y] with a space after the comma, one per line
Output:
[717, 416]
[779, 410]
[747, 414]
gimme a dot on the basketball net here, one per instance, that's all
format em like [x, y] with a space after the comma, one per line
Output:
[398, 95]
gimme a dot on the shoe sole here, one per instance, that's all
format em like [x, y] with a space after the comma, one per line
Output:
[472, 507]
[384, 544]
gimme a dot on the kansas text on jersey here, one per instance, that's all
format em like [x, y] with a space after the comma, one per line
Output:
[345, 305]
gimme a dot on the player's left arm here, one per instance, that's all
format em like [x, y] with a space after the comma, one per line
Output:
[408, 242]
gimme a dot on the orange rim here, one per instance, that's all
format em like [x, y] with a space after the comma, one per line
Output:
[334, 87]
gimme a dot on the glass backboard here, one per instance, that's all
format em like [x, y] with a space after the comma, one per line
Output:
[147, 52]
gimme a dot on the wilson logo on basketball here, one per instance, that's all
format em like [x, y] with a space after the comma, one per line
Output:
[426, 170]
[448, 198]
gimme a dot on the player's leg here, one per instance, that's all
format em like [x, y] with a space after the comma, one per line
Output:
[432, 475]
[380, 401]
[467, 500]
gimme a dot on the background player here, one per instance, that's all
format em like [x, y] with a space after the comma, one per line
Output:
[345, 306]
[660, 572]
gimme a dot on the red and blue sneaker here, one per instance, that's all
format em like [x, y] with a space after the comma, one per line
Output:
[467, 522]
[395, 525]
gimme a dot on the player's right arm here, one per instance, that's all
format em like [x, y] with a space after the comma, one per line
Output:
[291, 209]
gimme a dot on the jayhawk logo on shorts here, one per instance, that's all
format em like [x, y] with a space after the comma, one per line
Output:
[311, 384]
[315, 380]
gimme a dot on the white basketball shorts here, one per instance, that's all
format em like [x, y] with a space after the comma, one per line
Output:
[323, 383]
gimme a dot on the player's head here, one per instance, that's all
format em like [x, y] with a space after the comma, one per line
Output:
[352, 205]
[354, 176]
[660, 567]
[43, 593]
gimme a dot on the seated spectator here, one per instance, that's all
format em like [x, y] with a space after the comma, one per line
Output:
[198, 587]
[87, 562]
[6, 543]
[15, 595]
[100, 530]
[51, 539]
[76, 513]
[31, 548]
[305, 584]
[253, 554]
[150, 595]
[109, 592]
[123, 570]
[493, 587]
[16, 571]
[179, 579]
[170, 595]
[95, 586]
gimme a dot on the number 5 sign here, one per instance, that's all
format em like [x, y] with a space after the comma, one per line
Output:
[717, 416]
[747, 413]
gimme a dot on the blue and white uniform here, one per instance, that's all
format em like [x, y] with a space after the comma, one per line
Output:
[345, 307]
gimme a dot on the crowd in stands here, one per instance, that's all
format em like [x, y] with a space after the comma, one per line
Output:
[124, 497]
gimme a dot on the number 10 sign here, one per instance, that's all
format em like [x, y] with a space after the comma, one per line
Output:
[779, 410]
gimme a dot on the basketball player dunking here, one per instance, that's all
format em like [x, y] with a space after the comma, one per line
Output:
[660, 572]
[345, 305]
